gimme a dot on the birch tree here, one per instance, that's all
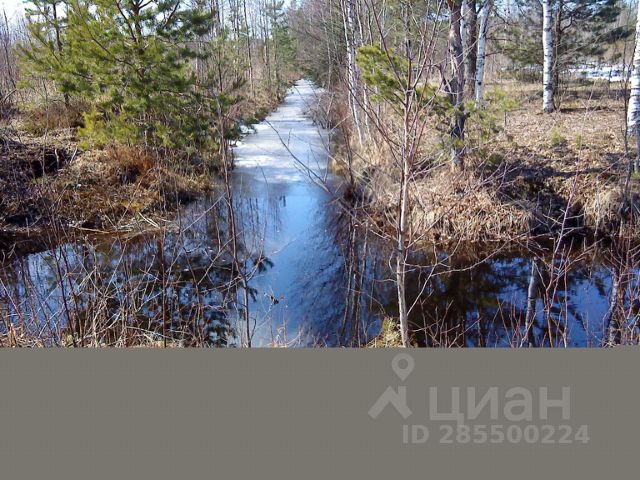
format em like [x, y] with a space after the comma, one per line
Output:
[484, 15]
[455, 87]
[547, 45]
[633, 111]
[347, 10]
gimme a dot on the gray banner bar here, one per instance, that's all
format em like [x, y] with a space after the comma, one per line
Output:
[319, 414]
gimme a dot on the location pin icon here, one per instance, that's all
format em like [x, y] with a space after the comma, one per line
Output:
[402, 364]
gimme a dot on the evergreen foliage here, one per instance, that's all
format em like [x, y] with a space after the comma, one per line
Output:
[130, 60]
[386, 71]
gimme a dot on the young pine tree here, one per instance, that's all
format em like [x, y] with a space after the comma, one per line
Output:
[131, 61]
[47, 52]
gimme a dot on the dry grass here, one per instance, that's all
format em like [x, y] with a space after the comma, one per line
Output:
[540, 173]
[107, 189]
[467, 207]
[52, 116]
[588, 168]
[48, 179]
[389, 336]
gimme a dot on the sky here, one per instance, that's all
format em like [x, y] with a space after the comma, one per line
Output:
[12, 7]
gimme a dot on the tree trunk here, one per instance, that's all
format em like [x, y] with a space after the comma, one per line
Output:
[401, 238]
[532, 300]
[7, 46]
[456, 86]
[612, 327]
[56, 24]
[267, 55]
[249, 53]
[404, 208]
[358, 14]
[352, 75]
[547, 45]
[633, 111]
[470, 45]
[485, 12]
[557, 38]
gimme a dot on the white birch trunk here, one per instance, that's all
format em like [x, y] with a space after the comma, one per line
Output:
[456, 88]
[352, 77]
[463, 16]
[485, 12]
[532, 300]
[547, 45]
[633, 111]
[358, 13]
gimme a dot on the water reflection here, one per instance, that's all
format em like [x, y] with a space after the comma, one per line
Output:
[314, 275]
[286, 215]
[517, 298]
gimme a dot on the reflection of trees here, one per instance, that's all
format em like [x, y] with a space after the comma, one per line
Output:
[118, 294]
[121, 293]
[322, 301]
[464, 306]
[508, 299]
[533, 293]
[355, 252]
[621, 321]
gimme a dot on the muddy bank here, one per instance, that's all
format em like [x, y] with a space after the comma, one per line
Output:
[49, 182]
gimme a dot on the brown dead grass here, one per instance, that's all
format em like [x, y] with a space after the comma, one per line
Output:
[105, 190]
[48, 179]
[389, 336]
[52, 116]
[538, 173]
[467, 207]
[588, 168]
[111, 189]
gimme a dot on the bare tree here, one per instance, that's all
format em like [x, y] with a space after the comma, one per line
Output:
[456, 84]
[470, 44]
[548, 67]
[7, 65]
[633, 109]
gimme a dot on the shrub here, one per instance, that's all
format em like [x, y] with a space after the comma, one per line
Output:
[578, 142]
[53, 116]
[130, 163]
[556, 137]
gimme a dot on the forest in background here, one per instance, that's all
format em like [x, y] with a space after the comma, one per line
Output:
[172, 81]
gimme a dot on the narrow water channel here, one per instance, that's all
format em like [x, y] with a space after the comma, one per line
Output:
[284, 197]
[315, 277]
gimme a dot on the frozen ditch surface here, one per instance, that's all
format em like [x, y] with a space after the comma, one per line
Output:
[286, 215]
